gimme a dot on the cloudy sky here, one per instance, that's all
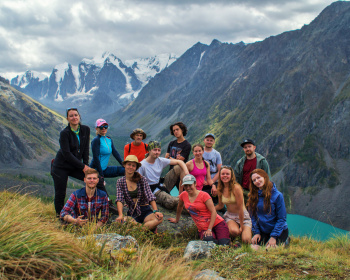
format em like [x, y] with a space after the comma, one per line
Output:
[37, 34]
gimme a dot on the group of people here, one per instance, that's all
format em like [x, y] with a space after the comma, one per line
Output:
[255, 209]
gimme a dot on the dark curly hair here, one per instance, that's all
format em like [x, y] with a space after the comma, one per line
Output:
[182, 126]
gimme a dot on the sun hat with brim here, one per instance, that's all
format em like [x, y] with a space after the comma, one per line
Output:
[188, 180]
[132, 158]
[136, 131]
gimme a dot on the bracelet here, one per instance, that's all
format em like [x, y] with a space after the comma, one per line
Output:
[209, 229]
[154, 211]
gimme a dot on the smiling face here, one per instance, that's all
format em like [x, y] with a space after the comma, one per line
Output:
[258, 180]
[249, 149]
[225, 175]
[198, 152]
[209, 142]
[190, 189]
[91, 180]
[130, 167]
[73, 117]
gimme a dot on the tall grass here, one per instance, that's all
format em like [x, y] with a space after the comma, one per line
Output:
[31, 246]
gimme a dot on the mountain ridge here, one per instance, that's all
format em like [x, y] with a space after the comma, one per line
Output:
[289, 92]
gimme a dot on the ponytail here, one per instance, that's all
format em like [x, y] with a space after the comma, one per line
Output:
[136, 177]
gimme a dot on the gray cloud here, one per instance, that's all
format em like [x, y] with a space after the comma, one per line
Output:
[38, 35]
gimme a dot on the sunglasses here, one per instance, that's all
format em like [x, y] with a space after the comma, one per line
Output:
[103, 127]
[68, 109]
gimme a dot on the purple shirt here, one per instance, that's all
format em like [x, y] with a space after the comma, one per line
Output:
[144, 195]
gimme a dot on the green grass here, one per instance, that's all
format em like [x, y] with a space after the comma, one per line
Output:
[34, 245]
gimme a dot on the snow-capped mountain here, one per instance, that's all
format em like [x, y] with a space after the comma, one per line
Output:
[104, 80]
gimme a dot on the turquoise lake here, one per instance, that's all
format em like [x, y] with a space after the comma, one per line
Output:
[303, 226]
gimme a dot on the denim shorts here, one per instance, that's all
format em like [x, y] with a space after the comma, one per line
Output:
[145, 211]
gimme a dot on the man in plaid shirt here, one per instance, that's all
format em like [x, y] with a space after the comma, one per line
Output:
[87, 204]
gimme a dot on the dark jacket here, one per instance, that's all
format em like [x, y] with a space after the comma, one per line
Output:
[95, 147]
[71, 155]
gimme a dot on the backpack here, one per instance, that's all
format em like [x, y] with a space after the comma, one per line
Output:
[143, 144]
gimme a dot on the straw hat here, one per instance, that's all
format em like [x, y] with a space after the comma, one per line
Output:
[132, 158]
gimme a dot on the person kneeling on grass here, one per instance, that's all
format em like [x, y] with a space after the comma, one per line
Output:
[267, 210]
[86, 204]
[134, 190]
[210, 225]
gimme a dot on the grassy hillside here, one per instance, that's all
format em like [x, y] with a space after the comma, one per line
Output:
[33, 244]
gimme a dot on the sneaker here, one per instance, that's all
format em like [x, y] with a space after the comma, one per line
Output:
[112, 209]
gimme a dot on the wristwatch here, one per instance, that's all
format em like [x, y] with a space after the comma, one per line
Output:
[209, 229]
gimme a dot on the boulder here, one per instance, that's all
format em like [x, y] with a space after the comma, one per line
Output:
[115, 241]
[198, 249]
[208, 274]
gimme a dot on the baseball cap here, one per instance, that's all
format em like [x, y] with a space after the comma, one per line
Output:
[247, 141]
[188, 180]
[100, 122]
[209, 134]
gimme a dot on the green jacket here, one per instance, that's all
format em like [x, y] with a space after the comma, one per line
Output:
[261, 163]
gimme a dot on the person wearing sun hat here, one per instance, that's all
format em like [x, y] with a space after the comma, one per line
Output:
[133, 189]
[136, 147]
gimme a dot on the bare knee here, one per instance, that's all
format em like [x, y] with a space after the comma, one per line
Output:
[234, 232]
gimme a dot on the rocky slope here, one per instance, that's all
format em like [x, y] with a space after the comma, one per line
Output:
[291, 93]
[29, 131]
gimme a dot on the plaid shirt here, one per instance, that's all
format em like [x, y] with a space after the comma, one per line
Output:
[77, 205]
[144, 195]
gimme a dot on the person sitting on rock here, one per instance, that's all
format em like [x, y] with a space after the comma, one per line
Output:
[87, 204]
[267, 211]
[152, 168]
[134, 190]
[230, 193]
[211, 226]
[136, 147]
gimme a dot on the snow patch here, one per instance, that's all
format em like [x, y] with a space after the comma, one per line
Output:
[61, 70]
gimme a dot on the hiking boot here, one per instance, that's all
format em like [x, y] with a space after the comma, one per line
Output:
[112, 209]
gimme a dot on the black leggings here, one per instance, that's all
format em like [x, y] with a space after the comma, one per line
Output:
[60, 179]
[279, 239]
